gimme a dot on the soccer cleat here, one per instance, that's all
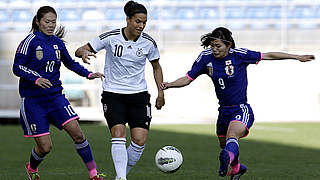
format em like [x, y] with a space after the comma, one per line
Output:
[224, 163]
[32, 174]
[242, 170]
[119, 179]
[98, 177]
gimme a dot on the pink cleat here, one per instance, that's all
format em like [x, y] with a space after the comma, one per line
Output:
[98, 177]
[32, 174]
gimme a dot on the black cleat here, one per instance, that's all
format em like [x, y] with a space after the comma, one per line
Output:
[224, 162]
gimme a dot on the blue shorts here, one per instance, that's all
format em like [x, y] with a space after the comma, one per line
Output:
[37, 113]
[242, 113]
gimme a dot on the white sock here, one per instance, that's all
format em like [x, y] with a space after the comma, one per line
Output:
[119, 156]
[134, 153]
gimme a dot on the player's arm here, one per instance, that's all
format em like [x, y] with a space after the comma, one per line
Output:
[84, 52]
[281, 55]
[158, 77]
[180, 82]
[21, 70]
[74, 66]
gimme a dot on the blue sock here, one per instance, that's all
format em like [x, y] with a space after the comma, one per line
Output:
[85, 153]
[232, 147]
[35, 160]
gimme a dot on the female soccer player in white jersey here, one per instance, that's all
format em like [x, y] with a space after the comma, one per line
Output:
[37, 62]
[227, 67]
[125, 97]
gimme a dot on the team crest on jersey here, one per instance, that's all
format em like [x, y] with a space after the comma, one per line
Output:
[39, 53]
[139, 52]
[33, 127]
[229, 68]
[210, 69]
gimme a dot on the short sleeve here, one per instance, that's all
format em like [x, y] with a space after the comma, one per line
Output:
[153, 53]
[249, 56]
[98, 44]
[198, 67]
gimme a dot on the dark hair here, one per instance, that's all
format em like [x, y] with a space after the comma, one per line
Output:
[60, 32]
[131, 8]
[221, 33]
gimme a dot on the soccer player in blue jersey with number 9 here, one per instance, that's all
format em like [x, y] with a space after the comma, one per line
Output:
[227, 67]
[37, 62]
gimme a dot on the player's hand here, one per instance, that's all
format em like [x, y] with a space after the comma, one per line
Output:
[43, 83]
[160, 102]
[86, 56]
[164, 85]
[305, 58]
[96, 75]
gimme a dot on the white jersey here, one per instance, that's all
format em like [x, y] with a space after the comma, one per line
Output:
[125, 60]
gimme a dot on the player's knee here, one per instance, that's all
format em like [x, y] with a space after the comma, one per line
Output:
[45, 149]
[139, 141]
[118, 131]
[78, 138]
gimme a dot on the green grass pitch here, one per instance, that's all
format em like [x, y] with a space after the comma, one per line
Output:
[272, 151]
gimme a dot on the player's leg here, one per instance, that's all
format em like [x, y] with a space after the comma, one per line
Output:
[238, 128]
[82, 146]
[38, 153]
[64, 117]
[136, 147]
[115, 113]
[139, 121]
[222, 142]
[34, 123]
[118, 150]
[231, 152]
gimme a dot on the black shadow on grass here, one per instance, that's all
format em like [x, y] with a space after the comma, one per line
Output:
[265, 161]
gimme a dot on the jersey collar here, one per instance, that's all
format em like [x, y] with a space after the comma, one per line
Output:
[41, 35]
[125, 37]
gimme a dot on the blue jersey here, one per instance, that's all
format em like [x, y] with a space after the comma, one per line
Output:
[38, 56]
[229, 75]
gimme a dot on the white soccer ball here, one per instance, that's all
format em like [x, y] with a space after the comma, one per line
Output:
[169, 159]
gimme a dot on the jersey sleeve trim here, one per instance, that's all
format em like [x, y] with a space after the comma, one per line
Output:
[89, 75]
[261, 57]
[189, 77]
[261, 54]
[157, 59]
[37, 81]
[91, 48]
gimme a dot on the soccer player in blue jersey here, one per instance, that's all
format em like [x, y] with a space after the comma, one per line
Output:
[37, 62]
[125, 96]
[227, 67]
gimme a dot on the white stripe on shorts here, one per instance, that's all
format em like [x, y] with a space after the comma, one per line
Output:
[245, 115]
[24, 117]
